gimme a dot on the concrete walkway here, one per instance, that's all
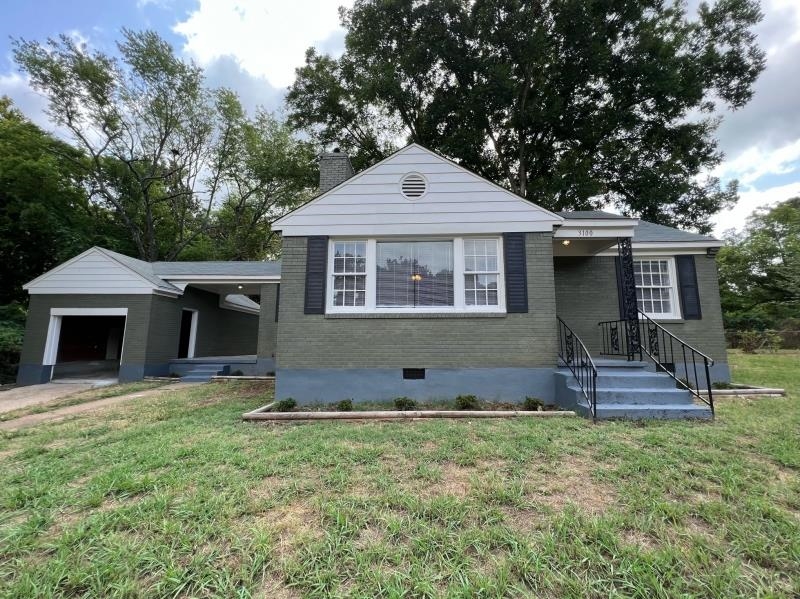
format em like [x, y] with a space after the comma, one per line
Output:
[89, 406]
[31, 395]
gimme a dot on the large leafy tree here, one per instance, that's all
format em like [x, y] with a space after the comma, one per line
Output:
[760, 269]
[162, 150]
[572, 104]
[45, 214]
[270, 171]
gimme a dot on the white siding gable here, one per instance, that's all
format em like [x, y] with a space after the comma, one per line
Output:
[92, 272]
[456, 202]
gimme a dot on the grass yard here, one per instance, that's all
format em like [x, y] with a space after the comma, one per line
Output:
[174, 496]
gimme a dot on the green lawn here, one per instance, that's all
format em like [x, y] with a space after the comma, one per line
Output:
[175, 496]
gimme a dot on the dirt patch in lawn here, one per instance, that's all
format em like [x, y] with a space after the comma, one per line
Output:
[369, 536]
[572, 482]
[638, 539]
[525, 521]
[445, 478]
[455, 481]
[289, 525]
[274, 588]
[268, 488]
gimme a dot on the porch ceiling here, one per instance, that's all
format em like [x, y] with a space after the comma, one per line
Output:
[588, 236]
[228, 288]
[581, 247]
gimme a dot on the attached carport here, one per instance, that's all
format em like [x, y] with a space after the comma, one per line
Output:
[103, 314]
[91, 317]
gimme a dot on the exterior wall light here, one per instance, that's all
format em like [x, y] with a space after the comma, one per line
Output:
[416, 277]
[566, 242]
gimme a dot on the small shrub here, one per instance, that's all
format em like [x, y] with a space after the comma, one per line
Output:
[284, 405]
[404, 404]
[532, 404]
[237, 373]
[174, 375]
[467, 402]
[346, 405]
[773, 341]
[752, 341]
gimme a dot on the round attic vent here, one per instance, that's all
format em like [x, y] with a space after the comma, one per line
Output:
[413, 186]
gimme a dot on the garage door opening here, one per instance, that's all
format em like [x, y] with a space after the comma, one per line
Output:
[89, 347]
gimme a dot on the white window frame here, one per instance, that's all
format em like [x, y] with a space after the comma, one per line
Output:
[675, 299]
[460, 306]
[190, 350]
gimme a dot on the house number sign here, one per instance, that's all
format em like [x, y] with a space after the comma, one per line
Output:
[585, 232]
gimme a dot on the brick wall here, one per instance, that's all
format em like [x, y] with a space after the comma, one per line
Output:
[586, 293]
[334, 168]
[136, 326]
[438, 341]
[267, 323]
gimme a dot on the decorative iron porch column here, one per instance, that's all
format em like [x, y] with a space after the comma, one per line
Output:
[629, 304]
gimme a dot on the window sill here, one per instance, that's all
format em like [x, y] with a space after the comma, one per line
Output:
[350, 315]
[668, 320]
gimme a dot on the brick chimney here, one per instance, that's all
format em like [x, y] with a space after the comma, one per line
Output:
[334, 168]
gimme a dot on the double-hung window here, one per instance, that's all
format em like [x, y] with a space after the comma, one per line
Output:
[481, 272]
[461, 274]
[656, 287]
[349, 273]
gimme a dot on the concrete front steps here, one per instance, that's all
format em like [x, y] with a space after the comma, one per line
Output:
[202, 374]
[197, 371]
[626, 390]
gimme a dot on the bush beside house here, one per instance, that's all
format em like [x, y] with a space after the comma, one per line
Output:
[12, 329]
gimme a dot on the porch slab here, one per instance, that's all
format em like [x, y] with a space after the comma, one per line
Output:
[245, 359]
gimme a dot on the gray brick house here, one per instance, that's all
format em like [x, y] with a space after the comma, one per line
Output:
[412, 278]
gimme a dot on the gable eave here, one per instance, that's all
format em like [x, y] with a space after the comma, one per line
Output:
[168, 289]
[92, 250]
[528, 205]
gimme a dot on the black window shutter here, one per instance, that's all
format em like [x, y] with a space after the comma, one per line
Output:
[620, 294]
[277, 301]
[516, 273]
[689, 292]
[316, 267]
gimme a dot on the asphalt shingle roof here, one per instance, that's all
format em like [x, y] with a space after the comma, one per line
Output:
[244, 269]
[646, 232]
[140, 267]
[155, 272]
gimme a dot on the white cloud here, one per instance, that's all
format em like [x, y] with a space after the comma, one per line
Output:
[756, 162]
[750, 199]
[268, 38]
[32, 104]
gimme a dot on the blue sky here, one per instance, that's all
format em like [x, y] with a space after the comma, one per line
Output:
[253, 47]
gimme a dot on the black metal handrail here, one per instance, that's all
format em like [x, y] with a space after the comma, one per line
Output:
[577, 358]
[662, 347]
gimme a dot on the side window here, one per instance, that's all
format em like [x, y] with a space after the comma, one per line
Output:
[349, 273]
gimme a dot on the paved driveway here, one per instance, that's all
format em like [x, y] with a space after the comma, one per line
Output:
[22, 397]
[89, 406]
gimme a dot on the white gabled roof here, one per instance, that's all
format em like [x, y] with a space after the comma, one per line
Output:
[101, 271]
[457, 201]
